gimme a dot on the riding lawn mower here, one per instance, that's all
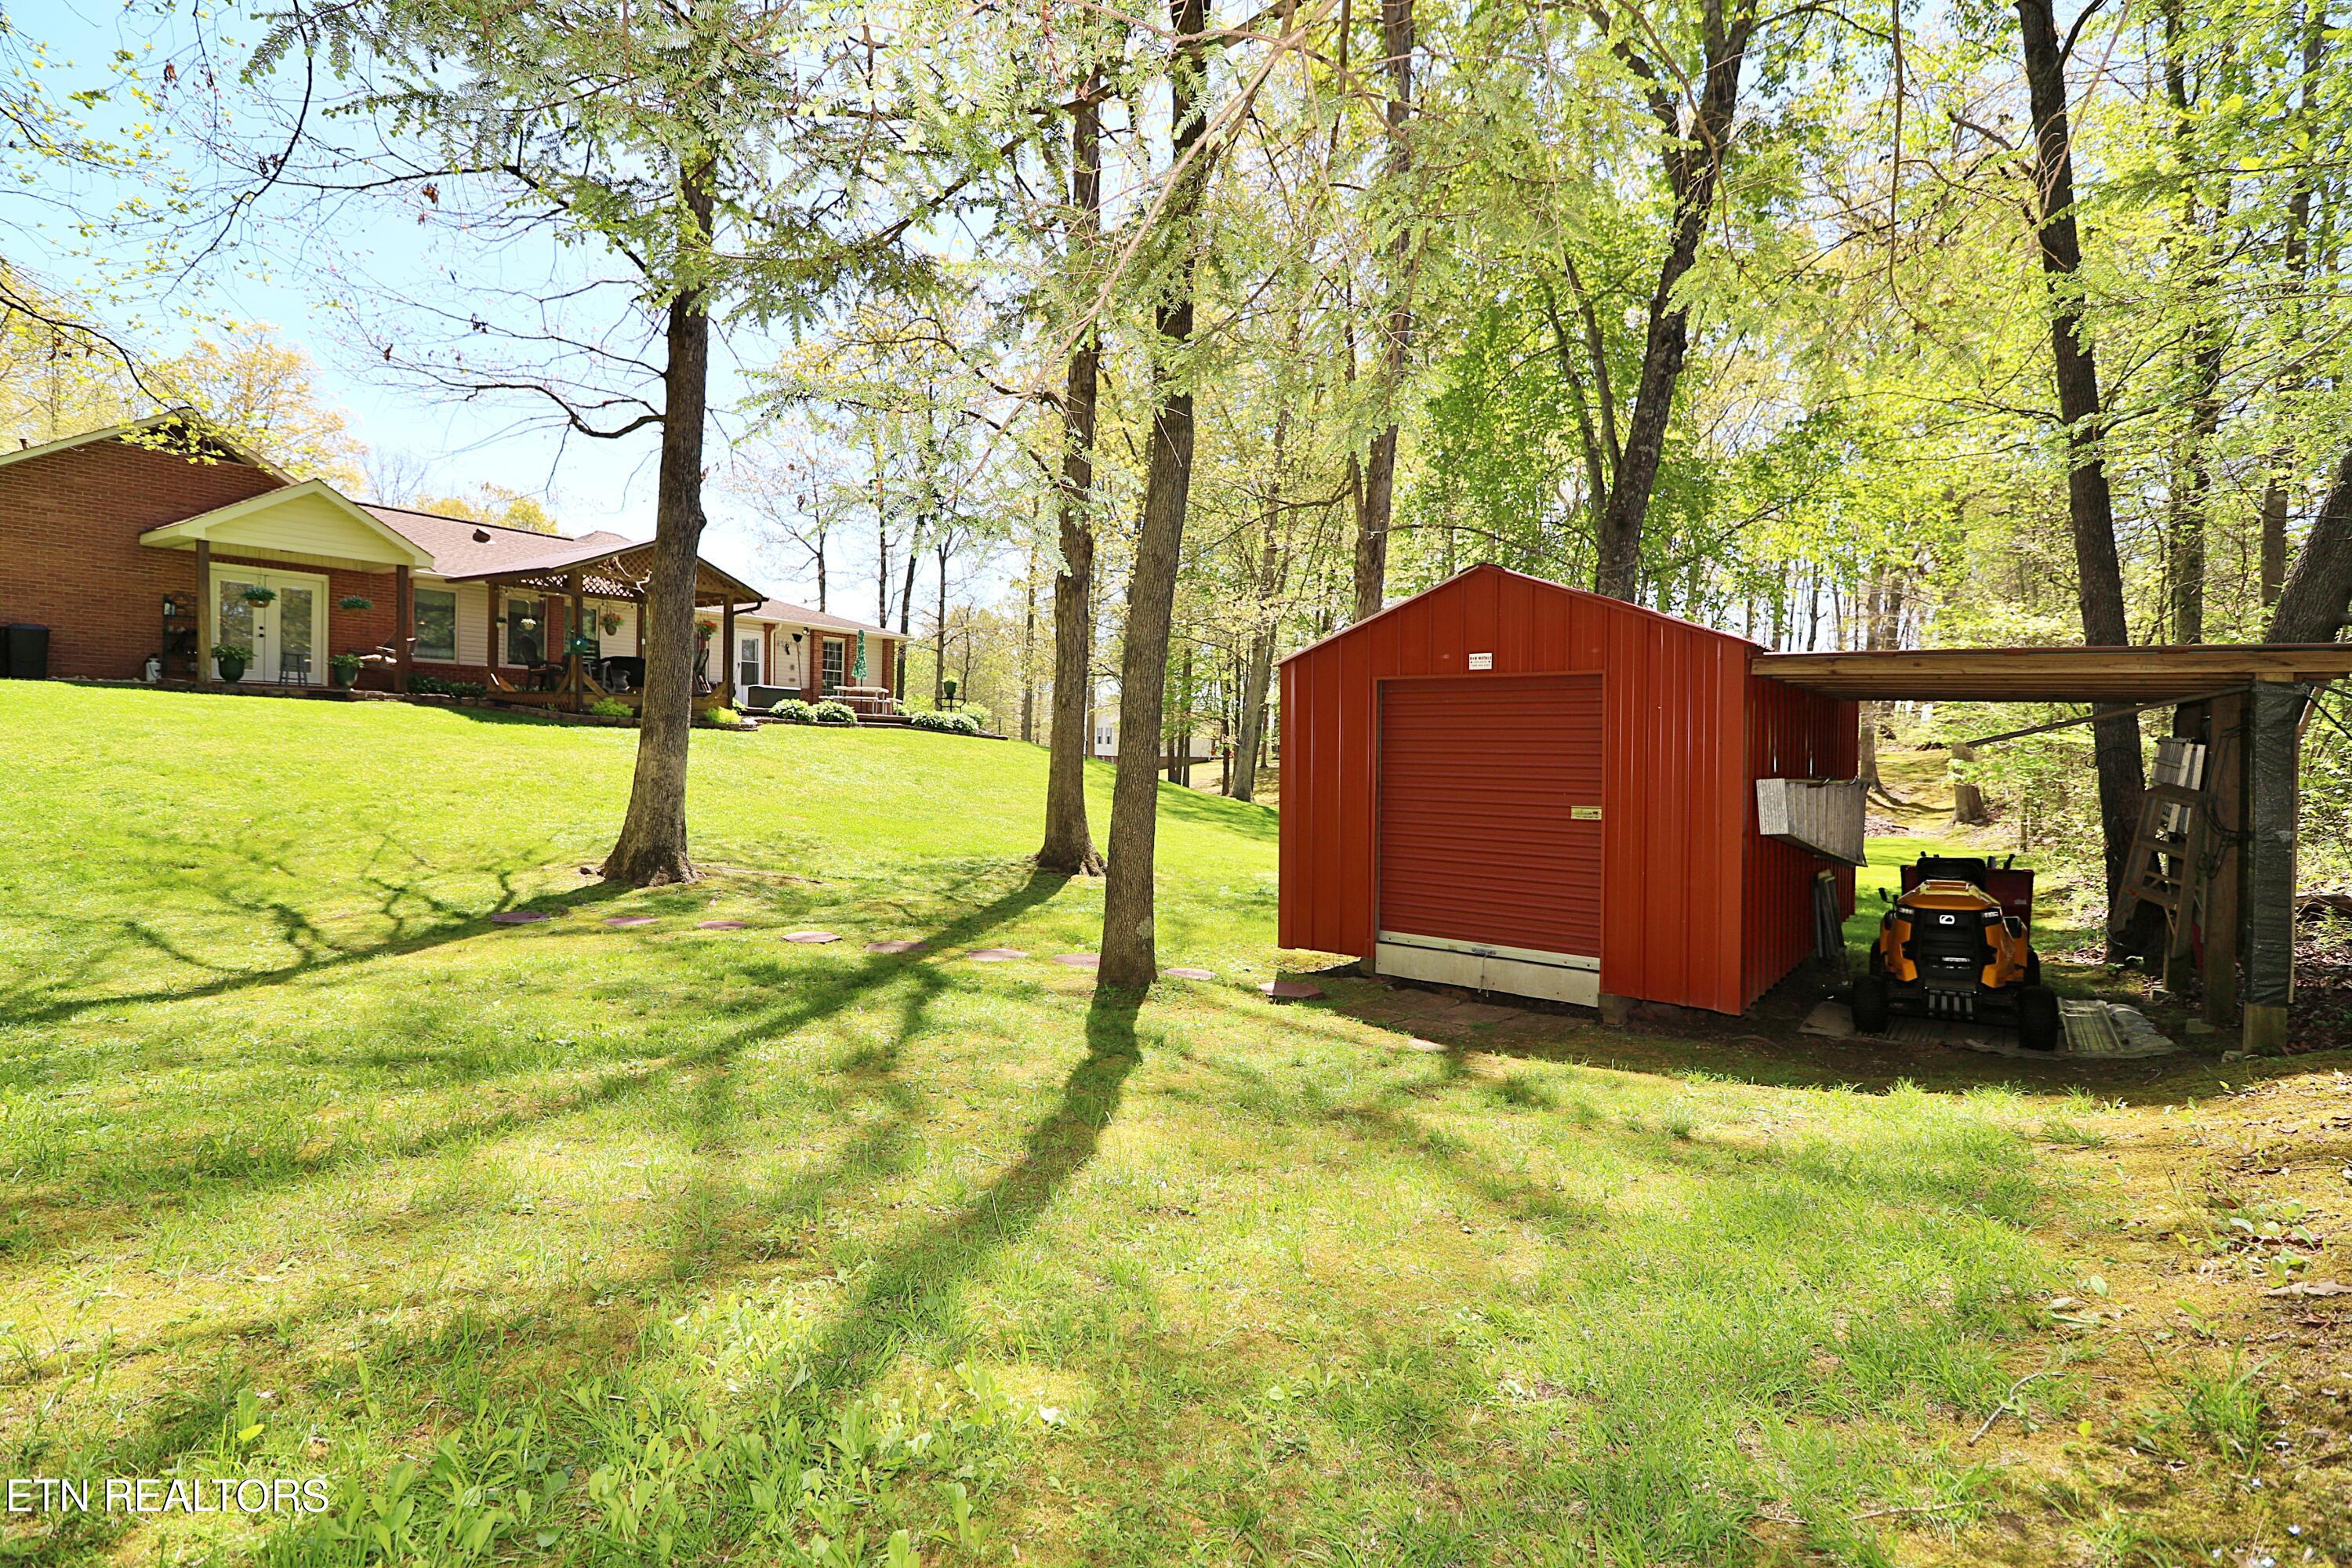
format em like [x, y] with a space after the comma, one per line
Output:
[1957, 943]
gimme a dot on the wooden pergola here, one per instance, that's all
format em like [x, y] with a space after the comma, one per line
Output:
[603, 573]
[2247, 703]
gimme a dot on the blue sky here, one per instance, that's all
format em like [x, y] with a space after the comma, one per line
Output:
[286, 280]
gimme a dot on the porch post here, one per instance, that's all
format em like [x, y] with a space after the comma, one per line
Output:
[203, 611]
[490, 646]
[579, 661]
[403, 630]
[727, 637]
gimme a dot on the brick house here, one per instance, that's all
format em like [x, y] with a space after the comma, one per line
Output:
[143, 540]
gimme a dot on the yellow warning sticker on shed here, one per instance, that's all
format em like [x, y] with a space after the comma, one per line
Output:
[1584, 814]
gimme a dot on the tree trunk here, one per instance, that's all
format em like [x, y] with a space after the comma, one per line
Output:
[2090, 507]
[820, 573]
[939, 675]
[1068, 847]
[1967, 799]
[2296, 252]
[651, 850]
[1129, 949]
[1029, 651]
[2313, 604]
[1694, 159]
[2209, 337]
[1380, 470]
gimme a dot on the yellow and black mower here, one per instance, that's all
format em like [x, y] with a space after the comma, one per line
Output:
[1957, 943]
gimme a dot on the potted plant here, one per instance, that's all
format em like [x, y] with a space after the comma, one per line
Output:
[611, 624]
[231, 658]
[346, 668]
[355, 602]
[256, 595]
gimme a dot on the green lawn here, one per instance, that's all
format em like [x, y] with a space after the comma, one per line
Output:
[583, 1244]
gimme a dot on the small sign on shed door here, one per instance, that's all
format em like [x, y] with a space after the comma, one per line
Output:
[1482, 661]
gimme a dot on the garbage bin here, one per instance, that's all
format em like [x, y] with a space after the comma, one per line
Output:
[25, 652]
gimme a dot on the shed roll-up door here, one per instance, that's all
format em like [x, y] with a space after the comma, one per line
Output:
[1490, 833]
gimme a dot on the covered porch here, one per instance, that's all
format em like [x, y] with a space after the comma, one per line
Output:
[294, 578]
[581, 579]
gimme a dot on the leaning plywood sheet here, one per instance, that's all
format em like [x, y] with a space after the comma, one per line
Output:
[1823, 816]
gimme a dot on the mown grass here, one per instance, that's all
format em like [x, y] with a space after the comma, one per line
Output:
[594, 1245]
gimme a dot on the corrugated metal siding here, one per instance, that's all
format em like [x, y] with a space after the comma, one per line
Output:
[1477, 782]
[1791, 734]
[1682, 919]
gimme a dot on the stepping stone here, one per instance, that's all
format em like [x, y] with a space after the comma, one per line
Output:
[812, 938]
[519, 917]
[994, 955]
[892, 946]
[1079, 960]
[1291, 989]
[720, 925]
[631, 920]
[1188, 973]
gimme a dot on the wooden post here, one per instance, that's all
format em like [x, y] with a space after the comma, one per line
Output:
[2271, 747]
[490, 648]
[578, 661]
[205, 631]
[404, 631]
[727, 662]
[2225, 785]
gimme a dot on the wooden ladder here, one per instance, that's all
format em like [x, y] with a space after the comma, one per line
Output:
[2165, 866]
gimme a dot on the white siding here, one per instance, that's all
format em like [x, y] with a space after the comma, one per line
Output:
[614, 644]
[473, 611]
[308, 525]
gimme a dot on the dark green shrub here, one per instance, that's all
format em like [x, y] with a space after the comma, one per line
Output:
[833, 713]
[792, 710]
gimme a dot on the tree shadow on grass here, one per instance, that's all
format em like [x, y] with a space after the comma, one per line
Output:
[910, 1289]
[163, 1182]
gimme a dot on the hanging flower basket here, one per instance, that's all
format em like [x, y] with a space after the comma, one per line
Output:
[355, 602]
[611, 624]
[257, 596]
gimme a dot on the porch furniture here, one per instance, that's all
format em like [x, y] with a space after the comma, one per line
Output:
[867, 701]
[578, 573]
[293, 669]
[621, 672]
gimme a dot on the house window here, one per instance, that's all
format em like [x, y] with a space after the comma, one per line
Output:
[747, 663]
[437, 624]
[831, 664]
[526, 631]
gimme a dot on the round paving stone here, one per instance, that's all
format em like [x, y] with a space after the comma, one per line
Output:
[1291, 989]
[892, 946]
[994, 955]
[631, 920]
[1188, 973]
[519, 917]
[1079, 960]
[720, 925]
[812, 938]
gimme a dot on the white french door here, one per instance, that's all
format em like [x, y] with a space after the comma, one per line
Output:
[278, 617]
[748, 670]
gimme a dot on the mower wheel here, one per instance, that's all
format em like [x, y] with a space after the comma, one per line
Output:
[2032, 968]
[1870, 1004]
[2038, 1025]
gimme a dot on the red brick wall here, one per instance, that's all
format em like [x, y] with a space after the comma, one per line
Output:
[70, 557]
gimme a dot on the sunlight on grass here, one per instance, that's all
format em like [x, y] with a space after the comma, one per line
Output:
[602, 1244]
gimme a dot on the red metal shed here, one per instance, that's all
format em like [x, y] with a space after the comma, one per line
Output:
[1521, 786]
